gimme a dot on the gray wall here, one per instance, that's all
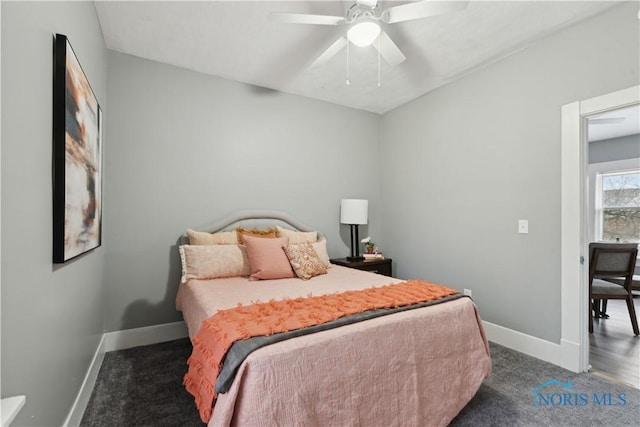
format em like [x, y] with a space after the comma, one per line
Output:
[51, 316]
[185, 149]
[448, 176]
[609, 150]
[464, 163]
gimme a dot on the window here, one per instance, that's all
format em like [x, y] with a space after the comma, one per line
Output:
[618, 206]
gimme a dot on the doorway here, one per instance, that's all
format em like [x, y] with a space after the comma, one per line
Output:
[613, 192]
[574, 344]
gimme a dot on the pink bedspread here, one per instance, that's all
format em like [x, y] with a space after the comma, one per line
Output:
[200, 299]
[414, 368]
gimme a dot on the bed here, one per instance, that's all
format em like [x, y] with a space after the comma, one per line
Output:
[413, 367]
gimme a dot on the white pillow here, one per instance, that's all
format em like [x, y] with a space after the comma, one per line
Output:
[297, 236]
[204, 238]
[321, 249]
[213, 261]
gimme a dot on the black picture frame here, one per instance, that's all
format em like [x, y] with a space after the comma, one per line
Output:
[77, 158]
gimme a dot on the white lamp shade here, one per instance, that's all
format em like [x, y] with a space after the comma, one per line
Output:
[354, 211]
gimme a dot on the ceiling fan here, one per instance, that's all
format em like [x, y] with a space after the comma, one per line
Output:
[363, 20]
[607, 121]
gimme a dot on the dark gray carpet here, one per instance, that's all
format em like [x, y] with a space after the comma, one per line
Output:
[507, 398]
[143, 387]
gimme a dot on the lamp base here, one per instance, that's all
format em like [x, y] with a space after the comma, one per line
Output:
[355, 258]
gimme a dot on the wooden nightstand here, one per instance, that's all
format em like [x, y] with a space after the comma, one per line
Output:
[380, 266]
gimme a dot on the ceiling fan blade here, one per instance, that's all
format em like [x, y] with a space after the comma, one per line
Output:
[300, 18]
[421, 9]
[607, 121]
[330, 51]
[389, 50]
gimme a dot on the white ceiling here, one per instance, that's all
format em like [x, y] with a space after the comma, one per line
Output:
[236, 40]
[614, 124]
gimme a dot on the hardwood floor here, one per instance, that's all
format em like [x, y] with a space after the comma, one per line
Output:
[614, 352]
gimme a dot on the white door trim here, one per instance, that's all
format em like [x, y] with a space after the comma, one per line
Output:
[574, 342]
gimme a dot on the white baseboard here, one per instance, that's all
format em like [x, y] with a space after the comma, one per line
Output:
[80, 404]
[527, 344]
[571, 356]
[119, 340]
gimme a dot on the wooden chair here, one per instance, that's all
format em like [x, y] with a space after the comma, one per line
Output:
[611, 260]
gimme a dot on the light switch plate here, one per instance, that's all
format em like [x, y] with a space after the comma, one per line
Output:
[523, 226]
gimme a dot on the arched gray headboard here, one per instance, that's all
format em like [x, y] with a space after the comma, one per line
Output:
[252, 218]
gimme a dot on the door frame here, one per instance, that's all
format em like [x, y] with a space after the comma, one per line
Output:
[574, 341]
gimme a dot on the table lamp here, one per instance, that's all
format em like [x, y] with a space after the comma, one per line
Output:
[354, 212]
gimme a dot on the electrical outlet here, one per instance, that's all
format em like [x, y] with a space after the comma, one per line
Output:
[467, 292]
[523, 226]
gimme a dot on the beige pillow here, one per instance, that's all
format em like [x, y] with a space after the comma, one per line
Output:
[213, 261]
[297, 236]
[321, 249]
[221, 238]
[270, 233]
[304, 260]
[267, 258]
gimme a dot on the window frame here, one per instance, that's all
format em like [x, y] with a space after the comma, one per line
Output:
[598, 198]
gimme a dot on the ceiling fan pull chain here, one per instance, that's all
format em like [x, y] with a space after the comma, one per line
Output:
[348, 82]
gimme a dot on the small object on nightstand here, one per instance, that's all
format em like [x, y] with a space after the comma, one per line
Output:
[373, 256]
[375, 265]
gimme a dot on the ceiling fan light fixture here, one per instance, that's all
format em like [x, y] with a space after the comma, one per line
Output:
[363, 33]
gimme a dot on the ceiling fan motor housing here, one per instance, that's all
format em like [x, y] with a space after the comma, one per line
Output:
[359, 11]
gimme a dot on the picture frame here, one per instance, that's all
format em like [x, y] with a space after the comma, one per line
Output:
[77, 158]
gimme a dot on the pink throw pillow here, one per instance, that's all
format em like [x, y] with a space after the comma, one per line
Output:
[267, 258]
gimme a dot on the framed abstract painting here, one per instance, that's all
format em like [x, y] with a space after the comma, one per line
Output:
[77, 158]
